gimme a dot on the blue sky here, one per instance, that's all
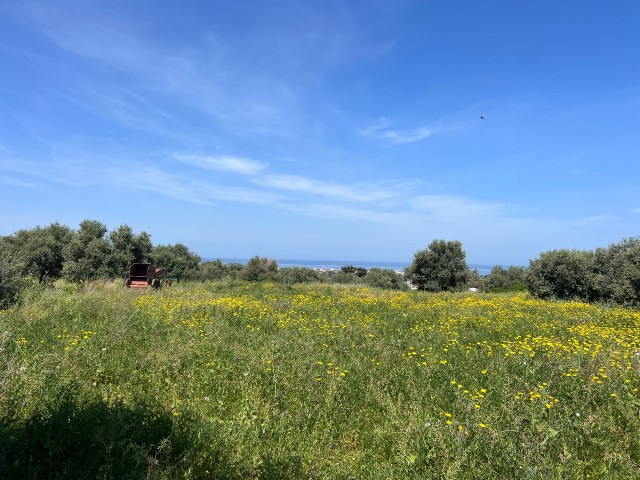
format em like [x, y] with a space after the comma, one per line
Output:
[325, 129]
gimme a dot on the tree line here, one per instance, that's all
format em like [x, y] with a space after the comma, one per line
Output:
[42, 255]
[606, 275]
[45, 254]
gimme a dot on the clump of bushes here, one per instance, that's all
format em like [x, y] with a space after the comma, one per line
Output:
[385, 279]
[610, 275]
[511, 279]
[44, 255]
[292, 275]
[259, 269]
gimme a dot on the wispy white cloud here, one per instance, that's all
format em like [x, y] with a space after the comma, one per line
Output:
[228, 163]
[635, 210]
[17, 182]
[375, 129]
[396, 137]
[249, 85]
[198, 78]
[366, 206]
[11, 164]
[341, 212]
[451, 208]
[153, 179]
[382, 130]
[359, 192]
[77, 166]
[131, 110]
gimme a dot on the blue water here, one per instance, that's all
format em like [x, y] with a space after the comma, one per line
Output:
[337, 264]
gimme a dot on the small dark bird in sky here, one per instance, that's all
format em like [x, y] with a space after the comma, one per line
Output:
[481, 117]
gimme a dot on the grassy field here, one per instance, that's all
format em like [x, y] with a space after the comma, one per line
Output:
[269, 381]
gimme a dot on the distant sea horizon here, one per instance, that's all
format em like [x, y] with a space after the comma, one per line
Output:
[338, 264]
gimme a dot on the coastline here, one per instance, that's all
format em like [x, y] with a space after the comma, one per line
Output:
[329, 265]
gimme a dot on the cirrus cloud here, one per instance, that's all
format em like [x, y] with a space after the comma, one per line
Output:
[227, 163]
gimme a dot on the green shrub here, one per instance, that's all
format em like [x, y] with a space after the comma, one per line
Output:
[358, 271]
[562, 274]
[11, 281]
[343, 277]
[258, 269]
[512, 279]
[386, 279]
[177, 260]
[212, 270]
[292, 275]
[610, 275]
[617, 273]
[441, 266]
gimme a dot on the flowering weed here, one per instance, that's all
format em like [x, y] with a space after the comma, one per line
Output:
[328, 381]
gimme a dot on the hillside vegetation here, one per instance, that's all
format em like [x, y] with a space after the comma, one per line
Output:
[43, 255]
[264, 380]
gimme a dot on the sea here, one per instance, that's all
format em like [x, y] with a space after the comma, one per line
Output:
[338, 264]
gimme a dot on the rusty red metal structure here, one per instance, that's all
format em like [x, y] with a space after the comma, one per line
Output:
[144, 275]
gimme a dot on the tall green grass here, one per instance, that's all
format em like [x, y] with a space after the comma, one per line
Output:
[239, 380]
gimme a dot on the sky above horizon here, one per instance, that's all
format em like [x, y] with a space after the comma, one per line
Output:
[357, 130]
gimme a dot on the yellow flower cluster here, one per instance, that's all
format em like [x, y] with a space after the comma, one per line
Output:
[441, 331]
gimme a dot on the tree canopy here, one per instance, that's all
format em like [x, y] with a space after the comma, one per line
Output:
[442, 266]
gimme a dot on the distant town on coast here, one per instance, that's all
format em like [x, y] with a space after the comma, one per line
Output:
[328, 265]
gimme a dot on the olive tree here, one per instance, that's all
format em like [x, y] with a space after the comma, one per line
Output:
[442, 266]
[127, 248]
[506, 279]
[39, 250]
[562, 274]
[177, 260]
[259, 268]
[86, 254]
[211, 270]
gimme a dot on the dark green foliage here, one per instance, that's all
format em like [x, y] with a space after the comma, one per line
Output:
[342, 277]
[617, 273]
[386, 279]
[609, 274]
[211, 270]
[57, 251]
[475, 280]
[177, 260]
[40, 250]
[11, 278]
[358, 271]
[565, 274]
[234, 269]
[258, 269]
[127, 248]
[43, 254]
[294, 275]
[29, 256]
[86, 255]
[511, 279]
[214, 270]
[441, 266]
